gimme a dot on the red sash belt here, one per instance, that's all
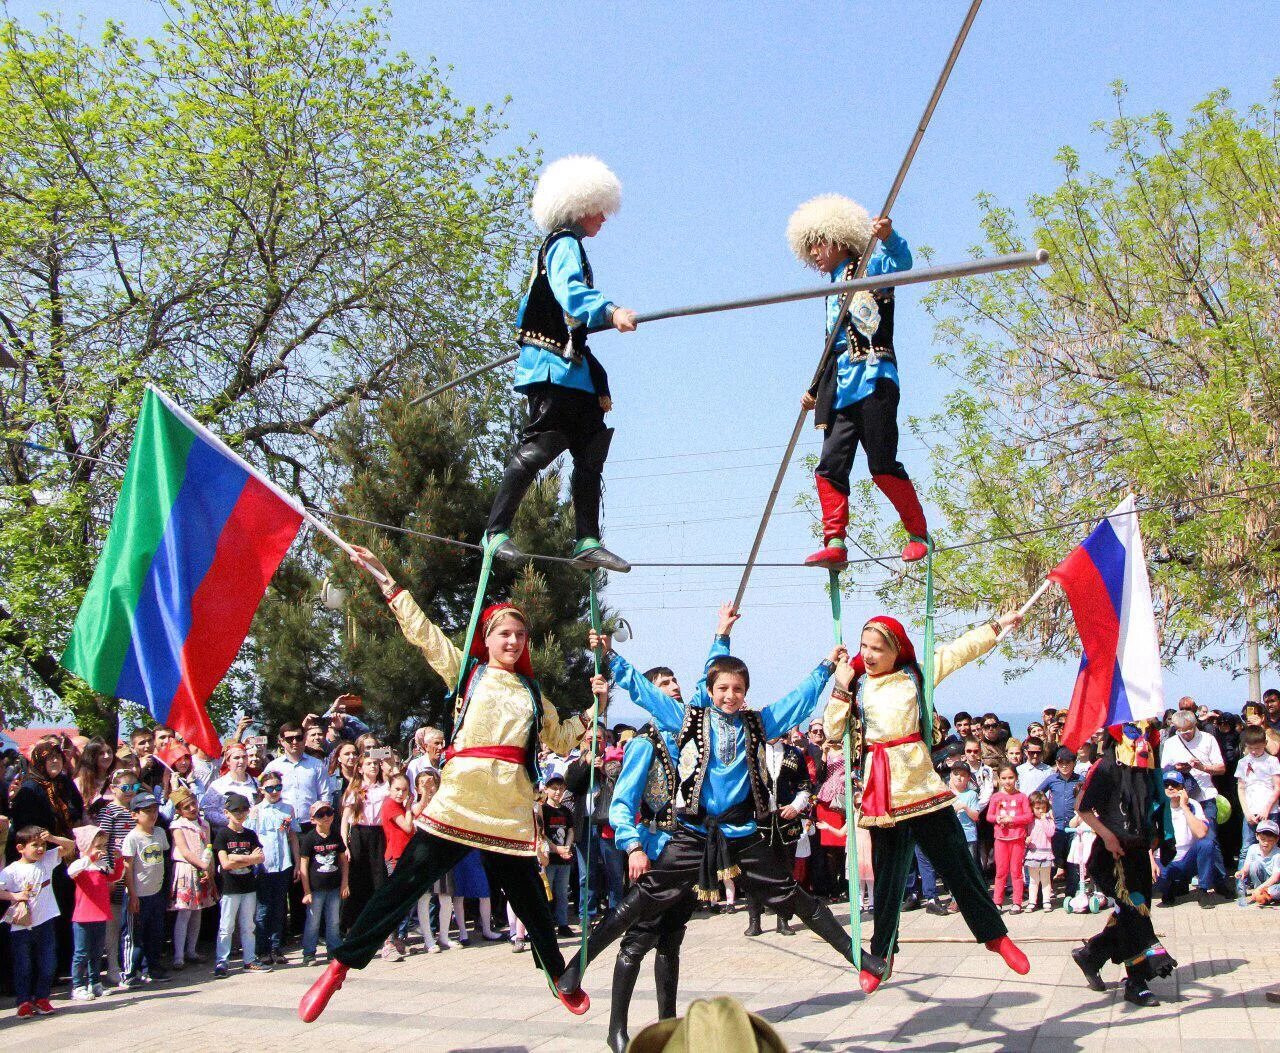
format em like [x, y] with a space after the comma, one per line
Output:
[875, 795]
[511, 754]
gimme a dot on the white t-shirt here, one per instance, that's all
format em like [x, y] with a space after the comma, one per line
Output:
[19, 876]
[1257, 774]
[1202, 747]
[1182, 837]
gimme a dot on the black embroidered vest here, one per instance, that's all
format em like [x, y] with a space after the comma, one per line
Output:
[693, 747]
[545, 323]
[658, 798]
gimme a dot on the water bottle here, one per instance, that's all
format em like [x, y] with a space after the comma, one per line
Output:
[1242, 893]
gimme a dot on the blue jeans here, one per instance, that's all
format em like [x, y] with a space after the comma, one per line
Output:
[323, 908]
[147, 935]
[588, 895]
[273, 901]
[615, 869]
[35, 960]
[558, 877]
[237, 910]
[928, 879]
[1199, 860]
[90, 941]
[1219, 875]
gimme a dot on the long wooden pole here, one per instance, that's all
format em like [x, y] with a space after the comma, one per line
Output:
[898, 180]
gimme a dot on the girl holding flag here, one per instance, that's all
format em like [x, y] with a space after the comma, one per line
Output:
[904, 801]
[486, 796]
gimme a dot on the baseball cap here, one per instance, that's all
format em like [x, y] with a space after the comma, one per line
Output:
[143, 800]
[237, 802]
[1172, 775]
[1268, 826]
[316, 807]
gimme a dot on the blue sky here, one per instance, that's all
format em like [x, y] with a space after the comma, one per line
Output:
[719, 119]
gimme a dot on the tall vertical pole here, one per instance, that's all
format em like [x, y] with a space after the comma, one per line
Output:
[1253, 652]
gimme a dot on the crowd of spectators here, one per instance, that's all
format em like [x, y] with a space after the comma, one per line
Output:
[120, 858]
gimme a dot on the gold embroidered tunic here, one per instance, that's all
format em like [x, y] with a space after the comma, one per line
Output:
[890, 711]
[485, 802]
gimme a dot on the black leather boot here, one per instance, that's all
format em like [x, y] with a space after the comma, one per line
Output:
[824, 924]
[666, 977]
[608, 930]
[625, 970]
[1091, 965]
[753, 916]
[784, 926]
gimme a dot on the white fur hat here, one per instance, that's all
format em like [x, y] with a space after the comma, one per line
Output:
[573, 187]
[828, 217]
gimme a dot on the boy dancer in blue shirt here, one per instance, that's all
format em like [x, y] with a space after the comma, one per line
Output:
[856, 397]
[723, 793]
[567, 388]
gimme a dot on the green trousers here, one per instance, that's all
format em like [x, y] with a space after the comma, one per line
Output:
[941, 838]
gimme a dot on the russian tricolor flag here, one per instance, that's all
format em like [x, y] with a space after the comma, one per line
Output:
[196, 536]
[1106, 583]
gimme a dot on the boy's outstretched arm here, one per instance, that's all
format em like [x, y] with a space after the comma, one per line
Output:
[791, 711]
[719, 649]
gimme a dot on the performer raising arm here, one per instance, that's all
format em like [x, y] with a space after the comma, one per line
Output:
[567, 388]
[856, 397]
[904, 801]
[723, 785]
[486, 794]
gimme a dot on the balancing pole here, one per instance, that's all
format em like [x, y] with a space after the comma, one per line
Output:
[964, 269]
[863, 260]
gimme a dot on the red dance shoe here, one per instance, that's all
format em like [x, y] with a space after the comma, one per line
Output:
[830, 556]
[914, 551]
[868, 981]
[319, 993]
[576, 1002]
[1012, 955]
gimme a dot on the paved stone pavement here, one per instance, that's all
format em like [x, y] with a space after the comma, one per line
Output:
[947, 993]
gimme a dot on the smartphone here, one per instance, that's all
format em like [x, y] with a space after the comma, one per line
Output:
[256, 740]
[380, 753]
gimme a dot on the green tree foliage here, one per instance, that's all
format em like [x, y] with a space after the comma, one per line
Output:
[421, 469]
[261, 211]
[1145, 360]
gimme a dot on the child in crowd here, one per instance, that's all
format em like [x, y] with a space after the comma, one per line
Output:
[1258, 780]
[94, 877]
[145, 848]
[193, 884]
[27, 884]
[1039, 858]
[397, 828]
[322, 859]
[362, 831]
[424, 789]
[116, 821]
[967, 809]
[239, 852]
[557, 818]
[1259, 874]
[277, 829]
[1009, 813]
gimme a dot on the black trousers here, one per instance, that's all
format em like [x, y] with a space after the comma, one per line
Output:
[1129, 937]
[941, 838]
[367, 872]
[428, 858]
[873, 422]
[673, 876]
[559, 419]
[786, 854]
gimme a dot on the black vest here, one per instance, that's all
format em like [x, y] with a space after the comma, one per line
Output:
[793, 776]
[545, 323]
[693, 747]
[658, 798]
[859, 346]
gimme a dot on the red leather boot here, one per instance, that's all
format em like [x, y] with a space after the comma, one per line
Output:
[319, 993]
[1011, 953]
[902, 495]
[835, 521]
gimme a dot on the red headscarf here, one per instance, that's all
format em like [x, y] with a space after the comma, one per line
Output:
[480, 652]
[892, 630]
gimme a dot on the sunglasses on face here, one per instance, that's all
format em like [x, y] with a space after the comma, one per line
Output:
[323, 813]
[131, 787]
[989, 727]
[290, 738]
[974, 752]
[1034, 753]
[274, 788]
[237, 811]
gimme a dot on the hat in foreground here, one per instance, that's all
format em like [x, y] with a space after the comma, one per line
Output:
[573, 187]
[721, 1023]
[828, 217]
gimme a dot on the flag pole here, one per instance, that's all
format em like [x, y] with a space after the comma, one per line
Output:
[1022, 611]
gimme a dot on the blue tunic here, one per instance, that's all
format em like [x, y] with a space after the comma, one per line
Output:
[856, 380]
[584, 304]
[634, 776]
[727, 781]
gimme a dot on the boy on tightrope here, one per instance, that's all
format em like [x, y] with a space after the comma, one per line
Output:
[567, 388]
[856, 397]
